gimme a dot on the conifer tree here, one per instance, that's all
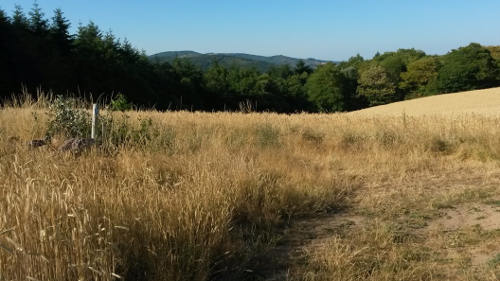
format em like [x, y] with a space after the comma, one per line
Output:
[4, 20]
[59, 28]
[19, 19]
[37, 22]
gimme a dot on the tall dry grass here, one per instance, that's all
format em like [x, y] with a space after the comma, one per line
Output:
[203, 193]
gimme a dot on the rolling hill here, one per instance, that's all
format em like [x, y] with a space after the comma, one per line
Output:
[262, 63]
[483, 102]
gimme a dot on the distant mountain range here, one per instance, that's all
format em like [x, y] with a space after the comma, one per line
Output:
[204, 61]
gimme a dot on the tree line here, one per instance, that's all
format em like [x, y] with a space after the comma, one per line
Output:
[36, 51]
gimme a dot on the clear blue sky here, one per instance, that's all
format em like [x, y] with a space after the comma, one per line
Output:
[322, 29]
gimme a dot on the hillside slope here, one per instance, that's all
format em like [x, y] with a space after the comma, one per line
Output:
[262, 63]
[484, 102]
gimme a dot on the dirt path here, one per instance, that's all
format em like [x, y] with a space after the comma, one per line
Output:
[467, 219]
[463, 238]
[310, 233]
[275, 264]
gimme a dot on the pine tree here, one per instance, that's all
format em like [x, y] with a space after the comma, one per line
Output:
[3, 18]
[19, 20]
[89, 37]
[59, 28]
[4, 54]
[37, 22]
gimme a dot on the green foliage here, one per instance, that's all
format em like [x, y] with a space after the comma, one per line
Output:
[38, 52]
[354, 62]
[67, 120]
[37, 21]
[393, 66]
[115, 131]
[419, 74]
[467, 68]
[376, 86]
[190, 80]
[295, 86]
[216, 79]
[494, 51]
[326, 88]
[120, 103]
[302, 67]
[4, 20]
[89, 36]
[60, 24]
[243, 81]
[19, 20]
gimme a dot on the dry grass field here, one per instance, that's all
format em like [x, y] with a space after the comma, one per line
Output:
[483, 102]
[259, 196]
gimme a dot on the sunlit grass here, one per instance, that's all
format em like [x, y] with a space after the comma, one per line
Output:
[201, 195]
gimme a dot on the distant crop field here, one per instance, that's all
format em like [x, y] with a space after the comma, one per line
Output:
[257, 196]
[484, 102]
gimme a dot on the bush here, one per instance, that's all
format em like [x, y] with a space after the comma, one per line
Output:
[120, 103]
[67, 120]
[118, 131]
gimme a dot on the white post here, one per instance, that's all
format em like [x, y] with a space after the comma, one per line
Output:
[95, 113]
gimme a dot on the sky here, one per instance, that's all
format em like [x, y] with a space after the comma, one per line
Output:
[330, 30]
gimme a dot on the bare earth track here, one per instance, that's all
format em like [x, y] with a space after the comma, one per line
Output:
[304, 235]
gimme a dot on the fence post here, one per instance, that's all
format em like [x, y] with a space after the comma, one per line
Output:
[95, 113]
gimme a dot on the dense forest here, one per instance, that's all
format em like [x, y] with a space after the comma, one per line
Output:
[39, 52]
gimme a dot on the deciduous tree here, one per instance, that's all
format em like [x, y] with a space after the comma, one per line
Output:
[418, 75]
[467, 68]
[376, 86]
[326, 88]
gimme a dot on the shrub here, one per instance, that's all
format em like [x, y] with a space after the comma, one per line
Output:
[117, 131]
[120, 103]
[67, 120]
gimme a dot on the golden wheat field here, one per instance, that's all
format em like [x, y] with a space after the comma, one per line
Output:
[258, 196]
[484, 102]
